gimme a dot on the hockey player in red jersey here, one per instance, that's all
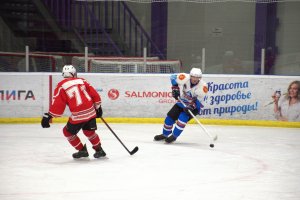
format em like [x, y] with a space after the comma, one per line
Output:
[85, 105]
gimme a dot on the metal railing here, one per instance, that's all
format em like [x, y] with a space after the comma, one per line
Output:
[106, 27]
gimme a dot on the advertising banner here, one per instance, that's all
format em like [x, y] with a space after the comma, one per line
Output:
[246, 97]
[149, 95]
[23, 94]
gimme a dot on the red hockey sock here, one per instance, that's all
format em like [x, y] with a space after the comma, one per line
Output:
[93, 138]
[73, 139]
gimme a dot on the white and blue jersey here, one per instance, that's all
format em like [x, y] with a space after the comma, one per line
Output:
[189, 93]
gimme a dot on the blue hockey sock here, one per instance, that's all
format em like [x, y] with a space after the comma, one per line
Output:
[180, 124]
[168, 126]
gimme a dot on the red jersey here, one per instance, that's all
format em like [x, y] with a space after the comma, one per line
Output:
[79, 95]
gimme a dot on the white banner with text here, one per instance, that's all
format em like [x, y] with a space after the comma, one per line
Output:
[148, 95]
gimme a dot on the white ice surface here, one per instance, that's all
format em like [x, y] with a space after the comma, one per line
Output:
[247, 163]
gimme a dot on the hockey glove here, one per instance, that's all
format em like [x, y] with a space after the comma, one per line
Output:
[188, 108]
[45, 121]
[99, 112]
[175, 92]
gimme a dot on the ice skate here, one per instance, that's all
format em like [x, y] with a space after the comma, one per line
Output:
[99, 153]
[81, 153]
[159, 137]
[170, 139]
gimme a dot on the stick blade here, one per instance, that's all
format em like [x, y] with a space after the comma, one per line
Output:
[134, 150]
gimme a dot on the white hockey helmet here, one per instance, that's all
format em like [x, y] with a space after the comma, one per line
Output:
[196, 72]
[69, 71]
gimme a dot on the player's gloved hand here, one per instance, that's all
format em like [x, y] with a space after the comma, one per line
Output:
[99, 112]
[45, 121]
[188, 108]
[175, 92]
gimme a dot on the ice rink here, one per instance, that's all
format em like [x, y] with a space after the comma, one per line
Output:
[247, 163]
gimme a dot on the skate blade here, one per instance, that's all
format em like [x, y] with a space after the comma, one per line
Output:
[82, 159]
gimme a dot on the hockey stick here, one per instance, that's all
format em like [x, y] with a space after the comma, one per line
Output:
[130, 152]
[203, 128]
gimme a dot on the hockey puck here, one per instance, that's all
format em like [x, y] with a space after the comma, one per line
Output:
[212, 145]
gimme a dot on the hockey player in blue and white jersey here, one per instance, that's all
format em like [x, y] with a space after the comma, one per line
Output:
[191, 89]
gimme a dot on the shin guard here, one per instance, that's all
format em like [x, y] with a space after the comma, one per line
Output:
[168, 126]
[73, 139]
[180, 124]
[93, 138]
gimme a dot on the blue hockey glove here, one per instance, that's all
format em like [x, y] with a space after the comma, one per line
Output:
[189, 107]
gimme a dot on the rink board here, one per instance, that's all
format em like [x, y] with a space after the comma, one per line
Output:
[232, 98]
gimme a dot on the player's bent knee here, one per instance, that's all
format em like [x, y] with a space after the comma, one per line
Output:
[66, 132]
[88, 133]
